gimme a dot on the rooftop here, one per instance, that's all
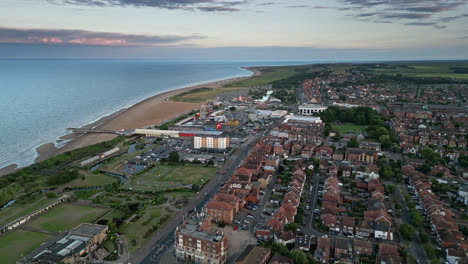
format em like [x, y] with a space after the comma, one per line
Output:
[191, 228]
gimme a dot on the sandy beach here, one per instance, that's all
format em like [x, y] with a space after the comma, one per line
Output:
[150, 112]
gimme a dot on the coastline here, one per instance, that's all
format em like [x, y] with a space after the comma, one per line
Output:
[149, 112]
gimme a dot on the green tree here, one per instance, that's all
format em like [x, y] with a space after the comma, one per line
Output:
[390, 188]
[299, 257]
[352, 143]
[463, 161]
[291, 227]
[385, 140]
[174, 157]
[406, 231]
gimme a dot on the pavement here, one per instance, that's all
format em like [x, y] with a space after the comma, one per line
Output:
[163, 239]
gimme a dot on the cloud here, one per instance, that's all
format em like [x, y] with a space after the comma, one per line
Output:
[218, 9]
[213, 5]
[401, 10]
[82, 37]
[463, 37]
[297, 6]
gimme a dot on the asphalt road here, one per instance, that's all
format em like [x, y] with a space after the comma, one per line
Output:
[162, 240]
[415, 247]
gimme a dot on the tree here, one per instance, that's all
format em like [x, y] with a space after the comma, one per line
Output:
[291, 227]
[352, 143]
[429, 250]
[390, 188]
[174, 157]
[463, 160]
[385, 140]
[299, 257]
[406, 231]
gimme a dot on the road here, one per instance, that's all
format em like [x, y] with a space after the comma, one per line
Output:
[415, 247]
[162, 240]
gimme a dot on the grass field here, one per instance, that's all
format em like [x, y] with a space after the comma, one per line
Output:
[65, 217]
[179, 195]
[345, 128]
[136, 230]
[19, 242]
[95, 180]
[201, 94]
[443, 69]
[167, 176]
[269, 75]
[17, 210]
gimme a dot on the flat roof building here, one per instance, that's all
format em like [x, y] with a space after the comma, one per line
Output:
[195, 242]
[74, 246]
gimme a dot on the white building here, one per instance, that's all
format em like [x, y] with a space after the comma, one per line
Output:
[209, 142]
[310, 109]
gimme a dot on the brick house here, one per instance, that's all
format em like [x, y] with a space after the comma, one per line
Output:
[362, 247]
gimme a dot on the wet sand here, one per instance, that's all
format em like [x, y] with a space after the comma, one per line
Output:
[147, 113]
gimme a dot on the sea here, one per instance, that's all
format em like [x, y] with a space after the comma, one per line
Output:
[39, 99]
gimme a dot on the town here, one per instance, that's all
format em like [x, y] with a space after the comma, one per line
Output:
[337, 165]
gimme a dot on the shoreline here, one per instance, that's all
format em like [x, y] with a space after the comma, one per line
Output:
[148, 112]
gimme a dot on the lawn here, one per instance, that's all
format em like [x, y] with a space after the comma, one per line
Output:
[65, 217]
[201, 94]
[95, 180]
[18, 210]
[178, 195]
[19, 242]
[345, 128]
[137, 230]
[166, 176]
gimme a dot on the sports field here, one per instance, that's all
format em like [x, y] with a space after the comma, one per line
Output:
[65, 217]
[166, 176]
[19, 242]
[346, 128]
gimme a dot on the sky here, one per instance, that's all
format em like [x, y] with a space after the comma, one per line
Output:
[235, 29]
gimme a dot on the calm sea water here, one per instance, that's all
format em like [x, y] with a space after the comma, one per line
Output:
[39, 99]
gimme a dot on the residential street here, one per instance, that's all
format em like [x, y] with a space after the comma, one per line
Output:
[415, 247]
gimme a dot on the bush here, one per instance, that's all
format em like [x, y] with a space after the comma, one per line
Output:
[51, 195]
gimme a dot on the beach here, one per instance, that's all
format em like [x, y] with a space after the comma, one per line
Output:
[147, 113]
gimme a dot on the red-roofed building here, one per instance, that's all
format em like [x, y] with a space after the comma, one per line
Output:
[322, 252]
[331, 221]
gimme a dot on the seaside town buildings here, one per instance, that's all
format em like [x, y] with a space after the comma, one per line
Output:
[195, 242]
[209, 142]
